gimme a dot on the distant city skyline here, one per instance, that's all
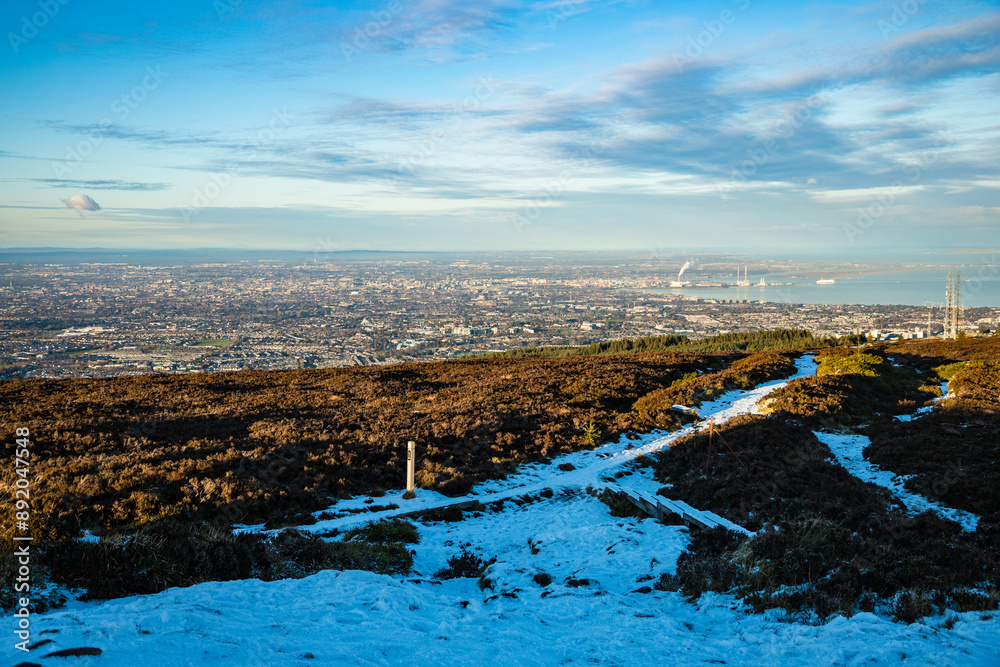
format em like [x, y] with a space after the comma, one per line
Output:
[501, 125]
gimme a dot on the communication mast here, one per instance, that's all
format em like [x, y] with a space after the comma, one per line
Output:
[953, 307]
[958, 301]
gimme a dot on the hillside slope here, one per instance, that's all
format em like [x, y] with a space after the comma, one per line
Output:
[553, 576]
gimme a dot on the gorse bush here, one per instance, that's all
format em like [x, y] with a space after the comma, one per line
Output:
[853, 388]
[861, 363]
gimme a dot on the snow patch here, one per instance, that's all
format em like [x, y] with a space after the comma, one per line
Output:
[849, 452]
[594, 611]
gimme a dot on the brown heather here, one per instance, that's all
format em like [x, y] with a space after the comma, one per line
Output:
[828, 543]
[253, 446]
[161, 466]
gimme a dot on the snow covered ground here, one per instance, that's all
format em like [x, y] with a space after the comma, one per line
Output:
[594, 611]
[848, 450]
[360, 618]
[919, 412]
[591, 467]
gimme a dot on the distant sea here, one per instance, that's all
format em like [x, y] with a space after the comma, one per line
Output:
[980, 287]
[914, 287]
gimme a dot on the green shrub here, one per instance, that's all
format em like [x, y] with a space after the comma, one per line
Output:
[688, 376]
[621, 506]
[655, 409]
[464, 565]
[591, 434]
[911, 606]
[390, 530]
[947, 371]
[861, 363]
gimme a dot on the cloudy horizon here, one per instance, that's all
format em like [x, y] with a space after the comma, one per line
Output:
[501, 124]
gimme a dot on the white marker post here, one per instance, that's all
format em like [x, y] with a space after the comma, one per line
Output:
[411, 465]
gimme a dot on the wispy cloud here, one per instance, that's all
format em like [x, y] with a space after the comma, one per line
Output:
[158, 138]
[776, 122]
[441, 30]
[724, 114]
[100, 184]
[915, 59]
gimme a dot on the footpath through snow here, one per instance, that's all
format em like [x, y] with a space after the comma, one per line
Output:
[590, 466]
[596, 610]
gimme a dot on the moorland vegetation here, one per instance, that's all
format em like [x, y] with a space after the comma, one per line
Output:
[162, 467]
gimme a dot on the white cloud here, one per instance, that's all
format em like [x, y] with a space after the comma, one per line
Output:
[82, 203]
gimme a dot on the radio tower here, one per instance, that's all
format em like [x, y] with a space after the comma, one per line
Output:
[958, 301]
[953, 305]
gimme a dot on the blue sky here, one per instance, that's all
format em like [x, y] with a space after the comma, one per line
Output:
[500, 124]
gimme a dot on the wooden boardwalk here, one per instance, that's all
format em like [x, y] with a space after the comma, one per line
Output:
[658, 506]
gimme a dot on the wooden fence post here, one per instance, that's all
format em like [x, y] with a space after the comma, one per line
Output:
[411, 465]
